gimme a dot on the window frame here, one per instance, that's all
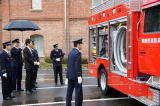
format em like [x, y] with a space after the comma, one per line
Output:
[38, 8]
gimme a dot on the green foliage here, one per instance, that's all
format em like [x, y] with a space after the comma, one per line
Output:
[84, 60]
[47, 60]
[64, 61]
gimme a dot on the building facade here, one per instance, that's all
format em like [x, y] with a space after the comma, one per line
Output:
[60, 21]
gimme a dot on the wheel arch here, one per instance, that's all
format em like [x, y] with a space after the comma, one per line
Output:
[99, 69]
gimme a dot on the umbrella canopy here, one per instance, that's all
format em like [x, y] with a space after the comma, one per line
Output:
[21, 25]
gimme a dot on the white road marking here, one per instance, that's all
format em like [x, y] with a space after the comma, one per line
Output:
[63, 102]
[43, 79]
[64, 87]
[45, 88]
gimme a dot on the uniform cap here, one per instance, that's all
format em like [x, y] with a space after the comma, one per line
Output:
[78, 41]
[55, 45]
[7, 43]
[15, 41]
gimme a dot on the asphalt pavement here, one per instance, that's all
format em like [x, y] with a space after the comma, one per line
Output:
[50, 95]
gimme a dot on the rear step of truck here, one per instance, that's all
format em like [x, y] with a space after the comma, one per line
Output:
[154, 82]
[145, 101]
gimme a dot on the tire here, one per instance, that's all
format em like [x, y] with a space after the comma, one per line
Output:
[103, 82]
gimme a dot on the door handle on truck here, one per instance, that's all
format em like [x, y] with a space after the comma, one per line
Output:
[142, 52]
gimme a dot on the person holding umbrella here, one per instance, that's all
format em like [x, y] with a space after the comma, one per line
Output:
[5, 70]
[17, 64]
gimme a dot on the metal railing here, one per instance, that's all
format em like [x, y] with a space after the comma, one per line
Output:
[134, 5]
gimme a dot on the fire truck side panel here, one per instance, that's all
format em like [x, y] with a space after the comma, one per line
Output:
[109, 14]
[93, 70]
[127, 86]
[149, 50]
[132, 45]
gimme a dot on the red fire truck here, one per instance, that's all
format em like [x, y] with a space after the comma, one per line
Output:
[124, 48]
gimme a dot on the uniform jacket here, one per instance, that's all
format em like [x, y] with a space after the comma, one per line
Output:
[56, 54]
[16, 57]
[36, 56]
[5, 63]
[29, 58]
[74, 68]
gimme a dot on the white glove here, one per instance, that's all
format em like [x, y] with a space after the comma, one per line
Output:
[58, 59]
[66, 81]
[38, 63]
[79, 80]
[22, 46]
[4, 75]
[35, 63]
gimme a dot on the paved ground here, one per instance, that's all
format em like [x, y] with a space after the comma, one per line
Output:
[50, 95]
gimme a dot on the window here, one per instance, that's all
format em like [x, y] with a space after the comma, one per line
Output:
[36, 4]
[39, 44]
[93, 45]
[96, 3]
[152, 20]
[103, 42]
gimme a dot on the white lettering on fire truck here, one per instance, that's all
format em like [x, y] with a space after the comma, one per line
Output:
[151, 40]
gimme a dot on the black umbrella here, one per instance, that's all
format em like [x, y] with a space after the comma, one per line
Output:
[21, 25]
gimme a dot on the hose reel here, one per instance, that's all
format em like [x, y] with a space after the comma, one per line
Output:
[120, 49]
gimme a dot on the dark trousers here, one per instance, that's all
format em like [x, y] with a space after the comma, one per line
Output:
[35, 76]
[17, 77]
[6, 86]
[58, 71]
[78, 93]
[29, 83]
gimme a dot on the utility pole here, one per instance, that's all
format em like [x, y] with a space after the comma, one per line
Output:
[66, 26]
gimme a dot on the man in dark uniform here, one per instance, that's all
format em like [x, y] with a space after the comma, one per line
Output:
[74, 74]
[6, 73]
[56, 56]
[16, 63]
[36, 56]
[30, 63]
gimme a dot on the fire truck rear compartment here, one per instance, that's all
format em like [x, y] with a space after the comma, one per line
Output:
[118, 48]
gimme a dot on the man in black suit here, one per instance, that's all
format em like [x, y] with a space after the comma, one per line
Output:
[5, 70]
[74, 74]
[16, 63]
[36, 56]
[57, 56]
[30, 63]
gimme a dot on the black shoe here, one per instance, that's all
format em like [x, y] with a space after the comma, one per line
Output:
[62, 83]
[32, 91]
[12, 96]
[7, 98]
[20, 90]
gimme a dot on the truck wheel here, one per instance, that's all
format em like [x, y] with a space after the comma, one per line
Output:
[103, 81]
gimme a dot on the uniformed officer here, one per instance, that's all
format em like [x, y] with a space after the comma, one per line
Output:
[36, 56]
[56, 56]
[6, 72]
[74, 74]
[16, 63]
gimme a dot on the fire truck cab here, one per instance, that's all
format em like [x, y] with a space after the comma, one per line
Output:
[124, 48]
